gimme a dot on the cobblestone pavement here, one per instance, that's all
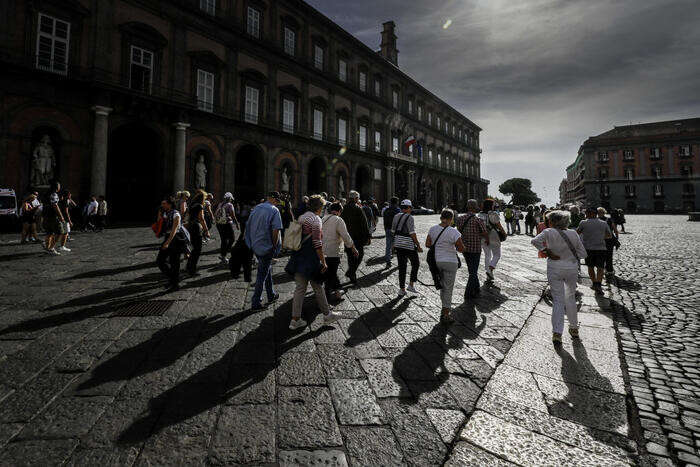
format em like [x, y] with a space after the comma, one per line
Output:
[212, 382]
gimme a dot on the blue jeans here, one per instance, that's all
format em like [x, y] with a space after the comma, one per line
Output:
[472, 260]
[389, 244]
[264, 277]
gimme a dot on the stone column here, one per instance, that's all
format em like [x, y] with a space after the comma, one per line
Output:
[98, 181]
[179, 159]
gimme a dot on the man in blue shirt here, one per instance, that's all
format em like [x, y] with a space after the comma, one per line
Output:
[262, 235]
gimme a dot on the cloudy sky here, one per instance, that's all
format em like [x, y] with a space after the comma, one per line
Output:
[540, 76]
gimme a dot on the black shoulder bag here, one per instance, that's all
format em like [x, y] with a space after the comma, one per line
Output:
[432, 264]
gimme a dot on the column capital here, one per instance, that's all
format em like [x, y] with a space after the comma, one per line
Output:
[101, 110]
[181, 126]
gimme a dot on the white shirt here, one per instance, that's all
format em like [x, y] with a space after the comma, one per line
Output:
[445, 250]
[92, 208]
[490, 220]
[550, 238]
[335, 233]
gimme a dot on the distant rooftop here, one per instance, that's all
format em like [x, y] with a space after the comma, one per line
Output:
[670, 127]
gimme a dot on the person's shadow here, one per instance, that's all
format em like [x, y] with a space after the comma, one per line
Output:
[379, 319]
[247, 363]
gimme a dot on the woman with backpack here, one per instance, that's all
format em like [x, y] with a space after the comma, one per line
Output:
[335, 234]
[175, 243]
[225, 217]
[492, 249]
[444, 241]
[406, 246]
[197, 228]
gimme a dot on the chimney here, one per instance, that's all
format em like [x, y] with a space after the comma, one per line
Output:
[388, 50]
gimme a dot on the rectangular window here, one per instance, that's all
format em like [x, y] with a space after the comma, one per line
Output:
[395, 144]
[420, 112]
[253, 23]
[603, 156]
[658, 190]
[410, 107]
[288, 116]
[686, 170]
[688, 188]
[395, 99]
[430, 118]
[363, 81]
[627, 155]
[430, 156]
[252, 101]
[290, 38]
[363, 138]
[141, 69]
[438, 122]
[52, 43]
[342, 131]
[343, 70]
[629, 174]
[318, 124]
[656, 171]
[318, 57]
[205, 90]
[208, 6]
[684, 150]
[655, 153]
[377, 88]
[378, 141]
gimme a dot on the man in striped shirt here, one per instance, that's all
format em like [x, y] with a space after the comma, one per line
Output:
[473, 230]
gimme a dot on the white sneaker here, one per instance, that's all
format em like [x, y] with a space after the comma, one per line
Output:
[297, 324]
[223, 260]
[331, 317]
[402, 293]
[54, 252]
[412, 289]
[63, 248]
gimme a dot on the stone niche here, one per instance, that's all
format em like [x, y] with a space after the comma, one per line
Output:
[44, 158]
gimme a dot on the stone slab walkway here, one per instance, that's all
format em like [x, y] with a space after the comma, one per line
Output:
[211, 382]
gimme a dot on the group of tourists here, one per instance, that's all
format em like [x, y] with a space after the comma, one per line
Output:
[54, 216]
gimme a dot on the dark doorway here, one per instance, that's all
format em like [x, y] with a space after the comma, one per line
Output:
[317, 176]
[363, 182]
[631, 207]
[439, 196]
[135, 182]
[659, 206]
[248, 181]
[455, 194]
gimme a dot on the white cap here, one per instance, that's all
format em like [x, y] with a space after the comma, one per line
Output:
[406, 202]
[228, 195]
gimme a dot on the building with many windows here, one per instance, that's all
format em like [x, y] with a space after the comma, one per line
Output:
[134, 99]
[645, 168]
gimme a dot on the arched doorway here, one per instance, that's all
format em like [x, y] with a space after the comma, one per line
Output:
[317, 176]
[631, 207]
[439, 195]
[249, 179]
[135, 184]
[363, 182]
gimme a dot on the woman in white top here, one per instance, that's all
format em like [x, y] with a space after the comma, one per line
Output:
[492, 247]
[335, 234]
[564, 250]
[447, 242]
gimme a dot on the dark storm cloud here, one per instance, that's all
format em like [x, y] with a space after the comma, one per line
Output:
[540, 76]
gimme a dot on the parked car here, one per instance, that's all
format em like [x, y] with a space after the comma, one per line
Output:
[9, 214]
[422, 210]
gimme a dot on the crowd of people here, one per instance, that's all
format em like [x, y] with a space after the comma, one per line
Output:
[56, 214]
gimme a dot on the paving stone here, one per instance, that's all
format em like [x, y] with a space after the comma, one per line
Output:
[465, 453]
[372, 445]
[446, 422]
[383, 380]
[300, 368]
[339, 361]
[231, 444]
[333, 458]
[38, 452]
[67, 417]
[23, 404]
[354, 402]
[306, 418]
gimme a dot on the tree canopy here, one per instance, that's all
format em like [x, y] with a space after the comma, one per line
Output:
[520, 191]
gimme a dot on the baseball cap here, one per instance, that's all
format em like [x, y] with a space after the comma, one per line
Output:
[274, 195]
[406, 203]
[228, 195]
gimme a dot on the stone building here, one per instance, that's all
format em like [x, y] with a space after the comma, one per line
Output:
[135, 99]
[645, 168]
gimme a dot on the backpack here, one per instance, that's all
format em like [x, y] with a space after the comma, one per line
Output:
[508, 214]
[292, 236]
[220, 215]
[388, 216]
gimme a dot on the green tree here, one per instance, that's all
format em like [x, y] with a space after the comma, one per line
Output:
[520, 191]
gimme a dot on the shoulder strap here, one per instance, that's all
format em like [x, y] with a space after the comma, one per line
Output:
[438, 237]
[405, 219]
[471, 215]
[569, 244]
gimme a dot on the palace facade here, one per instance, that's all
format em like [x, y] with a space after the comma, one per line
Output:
[645, 168]
[137, 98]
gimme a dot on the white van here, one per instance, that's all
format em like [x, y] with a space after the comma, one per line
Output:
[9, 214]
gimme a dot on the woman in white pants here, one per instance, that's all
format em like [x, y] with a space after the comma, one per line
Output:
[492, 247]
[564, 252]
[446, 241]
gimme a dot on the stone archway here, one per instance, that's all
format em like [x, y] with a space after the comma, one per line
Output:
[249, 180]
[136, 154]
[316, 180]
[341, 180]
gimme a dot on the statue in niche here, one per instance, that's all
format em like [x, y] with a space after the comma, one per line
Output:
[200, 171]
[341, 185]
[285, 180]
[43, 162]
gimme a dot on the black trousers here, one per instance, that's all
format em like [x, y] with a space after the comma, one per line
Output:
[168, 261]
[241, 258]
[609, 247]
[196, 240]
[354, 262]
[227, 238]
[331, 280]
[404, 256]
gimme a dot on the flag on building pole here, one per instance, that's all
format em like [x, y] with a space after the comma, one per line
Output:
[410, 141]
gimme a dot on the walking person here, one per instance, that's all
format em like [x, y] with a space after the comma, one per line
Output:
[175, 243]
[610, 243]
[225, 217]
[593, 232]
[241, 255]
[517, 217]
[621, 219]
[183, 197]
[388, 214]
[65, 205]
[473, 231]
[446, 241]
[529, 220]
[508, 214]
[564, 250]
[309, 264]
[101, 213]
[28, 218]
[335, 234]
[53, 220]
[492, 247]
[197, 227]
[406, 246]
[356, 222]
[208, 212]
[576, 216]
[92, 208]
[262, 236]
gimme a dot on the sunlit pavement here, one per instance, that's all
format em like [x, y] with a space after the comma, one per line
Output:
[212, 382]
